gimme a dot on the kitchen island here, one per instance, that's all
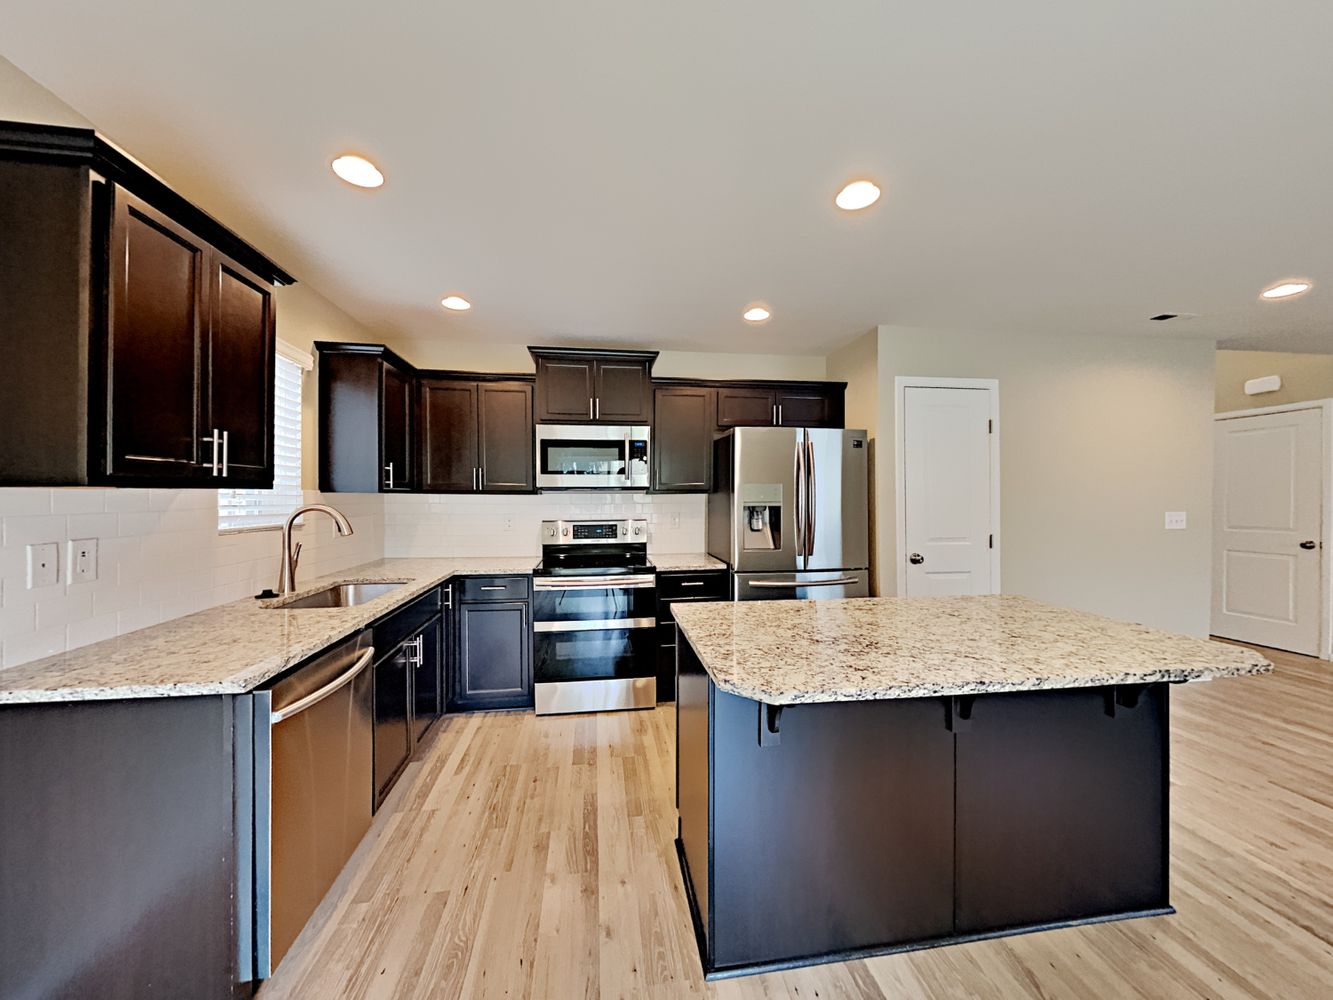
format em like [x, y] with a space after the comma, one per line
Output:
[864, 776]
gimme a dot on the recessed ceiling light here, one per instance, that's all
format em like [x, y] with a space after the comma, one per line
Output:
[1287, 289]
[456, 302]
[756, 313]
[857, 195]
[357, 170]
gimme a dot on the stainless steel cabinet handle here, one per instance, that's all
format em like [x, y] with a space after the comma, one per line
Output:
[774, 414]
[420, 643]
[597, 408]
[226, 453]
[790, 584]
[388, 482]
[779, 421]
[691, 583]
[494, 588]
[449, 596]
[216, 440]
[590, 416]
[299, 706]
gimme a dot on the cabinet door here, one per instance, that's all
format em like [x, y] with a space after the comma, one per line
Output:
[623, 393]
[494, 667]
[156, 320]
[428, 679]
[1061, 808]
[393, 732]
[396, 431]
[682, 440]
[807, 408]
[745, 408]
[505, 434]
[449, 436]
[239, 383]
[565, 390]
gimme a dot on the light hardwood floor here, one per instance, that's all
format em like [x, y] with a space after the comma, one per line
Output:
[527, 857]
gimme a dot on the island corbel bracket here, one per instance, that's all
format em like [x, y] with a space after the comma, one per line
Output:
[959, 708]
[1122, 696]
[770, 721]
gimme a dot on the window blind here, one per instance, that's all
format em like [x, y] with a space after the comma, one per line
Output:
[261, 508]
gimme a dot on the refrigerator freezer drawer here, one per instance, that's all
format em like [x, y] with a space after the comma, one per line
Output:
[801, 586]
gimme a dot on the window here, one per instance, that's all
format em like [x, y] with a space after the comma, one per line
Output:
[239, 510]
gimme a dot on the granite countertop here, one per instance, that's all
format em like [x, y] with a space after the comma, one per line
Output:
[793, 652]
[673, 562]
[233, 648]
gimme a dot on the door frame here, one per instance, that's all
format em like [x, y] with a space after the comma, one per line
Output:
[1325, 408]
[900, 384]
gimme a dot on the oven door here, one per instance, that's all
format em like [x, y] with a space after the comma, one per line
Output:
[571, 457]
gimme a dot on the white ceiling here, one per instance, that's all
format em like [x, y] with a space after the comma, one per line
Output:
[620, 171]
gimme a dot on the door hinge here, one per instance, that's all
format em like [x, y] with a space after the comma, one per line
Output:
[990, 426]
[992, 542]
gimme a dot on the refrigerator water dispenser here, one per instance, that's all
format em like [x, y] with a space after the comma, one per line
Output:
[762, 507]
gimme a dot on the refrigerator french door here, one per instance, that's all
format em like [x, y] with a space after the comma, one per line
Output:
[789, 512]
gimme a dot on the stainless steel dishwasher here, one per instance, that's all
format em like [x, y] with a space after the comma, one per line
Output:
[313, 790]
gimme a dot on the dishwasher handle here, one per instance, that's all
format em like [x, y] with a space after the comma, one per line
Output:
[315, 697]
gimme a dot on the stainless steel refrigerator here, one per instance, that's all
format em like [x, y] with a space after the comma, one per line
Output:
[789, 512]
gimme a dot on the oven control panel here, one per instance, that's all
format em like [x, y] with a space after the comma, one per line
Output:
[630, 530]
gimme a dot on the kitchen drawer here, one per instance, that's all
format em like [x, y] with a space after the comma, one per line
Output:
[392, 630]
[494, 588]
[666, 633]
[706, 584]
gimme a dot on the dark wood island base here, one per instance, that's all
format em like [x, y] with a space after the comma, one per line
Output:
[829, 831]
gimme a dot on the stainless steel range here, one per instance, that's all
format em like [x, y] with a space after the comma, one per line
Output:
[594, 615]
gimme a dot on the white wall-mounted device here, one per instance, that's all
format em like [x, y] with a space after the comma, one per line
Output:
[1257, 386]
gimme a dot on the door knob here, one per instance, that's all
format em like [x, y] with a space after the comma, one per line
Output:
[916, 559]
[1310, 545]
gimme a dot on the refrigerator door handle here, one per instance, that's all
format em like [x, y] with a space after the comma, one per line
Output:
[798, 519]
[811, 488]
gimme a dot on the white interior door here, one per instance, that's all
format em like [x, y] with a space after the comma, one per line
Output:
[1268, 481]
[947, 491]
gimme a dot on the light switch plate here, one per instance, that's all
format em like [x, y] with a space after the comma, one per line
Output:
[43, 564]
[1175, 520]
[82, 560]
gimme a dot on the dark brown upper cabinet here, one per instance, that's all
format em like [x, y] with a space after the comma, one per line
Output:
[745, 407]
[366, 420]
[683, 428]
[816, 404]
[476, 435]
[593, 387]
[139, 333]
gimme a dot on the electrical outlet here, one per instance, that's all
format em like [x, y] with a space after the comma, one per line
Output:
[509, 524]
[82, 560]
[43, 564]
[1175, 520]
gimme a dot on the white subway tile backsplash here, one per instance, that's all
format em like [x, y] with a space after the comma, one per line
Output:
[159, 557]
[466, 525]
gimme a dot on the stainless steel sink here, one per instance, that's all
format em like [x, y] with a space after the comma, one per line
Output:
[342, 595]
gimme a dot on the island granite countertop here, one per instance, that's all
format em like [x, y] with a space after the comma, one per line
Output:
[864, 649]
[232, 648]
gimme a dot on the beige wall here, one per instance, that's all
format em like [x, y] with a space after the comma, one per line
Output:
[857, 364]
[1304, 377]
[23, 99]
[1098, 439]
[479, 356]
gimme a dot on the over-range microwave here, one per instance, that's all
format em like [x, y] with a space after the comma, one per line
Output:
[591, 457]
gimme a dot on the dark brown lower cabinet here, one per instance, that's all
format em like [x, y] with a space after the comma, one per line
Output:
[493, 662]
[839, 838]
[393, 719]
[428, 677]
[118, 849]
[674, 588]
[1061, 808]
[816, 832]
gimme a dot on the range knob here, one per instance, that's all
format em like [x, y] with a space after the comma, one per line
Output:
[565, 532]
[638, 529]
[550, 532]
